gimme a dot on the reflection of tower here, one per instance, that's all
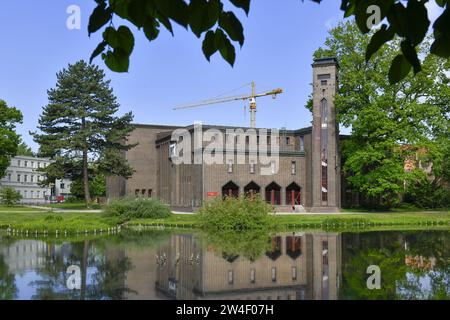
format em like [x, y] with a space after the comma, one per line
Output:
[325, 265]
[325, 148]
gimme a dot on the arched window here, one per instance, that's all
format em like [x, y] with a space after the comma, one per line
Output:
[293, 194]
[273, 194]
[230, 190]
[252, 189]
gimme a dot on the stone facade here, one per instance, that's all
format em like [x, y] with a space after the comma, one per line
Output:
[297, 184]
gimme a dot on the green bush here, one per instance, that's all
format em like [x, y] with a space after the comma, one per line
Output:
[135, 208]
[9, 196]
[236, 214]
[53, 217]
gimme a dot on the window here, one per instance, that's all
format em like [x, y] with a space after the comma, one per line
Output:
[61, 185]
[25, 178]
[39, 164]
[230, 166]
[32, 164]
[324, 76]
[19, 163]
[252, 275]
[32, 179]
[293, 167]
[252, 166]
[38, 194]
[31, 194]
[144, 191]
[268, 140]
[25, 193]
[26, 163]
[323, 82]
[274, 274]
[18, 178]
[9, 176]
[136, 192]
[230, 277]
[150, 191]
[288, 140]
[294, 273]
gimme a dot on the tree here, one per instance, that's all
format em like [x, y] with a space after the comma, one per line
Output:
[386, 120]
[406, 21]
[24, 150]
[9, 196]
[97, 186]
[79, 125]
[9, 118]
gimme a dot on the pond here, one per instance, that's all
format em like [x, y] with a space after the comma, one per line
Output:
[306, 265]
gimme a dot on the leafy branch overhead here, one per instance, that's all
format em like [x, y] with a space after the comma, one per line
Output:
[221, 29]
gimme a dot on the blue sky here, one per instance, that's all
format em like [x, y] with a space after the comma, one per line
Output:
[280, 41]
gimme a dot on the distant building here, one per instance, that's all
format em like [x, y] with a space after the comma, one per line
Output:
[308, 176]
[23, 176]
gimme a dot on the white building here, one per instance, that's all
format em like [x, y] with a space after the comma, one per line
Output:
[23, 176]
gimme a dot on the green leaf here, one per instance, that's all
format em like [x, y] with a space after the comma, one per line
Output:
[126, 39]
[400, 68]
[209, 45]
[177, 10]
[378, 39]
[151, 29]
[397, 19]
[417, 20]
[232, 26]
[242, 4]
[441, 45]
[409, 51]
[225, 47]
[117, 60]
[99, 17]
[121, 38]
[100, 48]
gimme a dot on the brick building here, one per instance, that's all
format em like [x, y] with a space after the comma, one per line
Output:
[305, 175]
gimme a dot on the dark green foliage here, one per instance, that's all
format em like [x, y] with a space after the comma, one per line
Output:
[79, 124]
[97, 187]
[236, 214]
[135, 208]
[9, 196]
[9, 140]
[424, 193]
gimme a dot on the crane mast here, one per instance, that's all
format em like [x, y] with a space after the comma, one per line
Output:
[251, 98]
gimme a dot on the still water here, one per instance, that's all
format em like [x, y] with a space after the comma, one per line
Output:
[177, 265]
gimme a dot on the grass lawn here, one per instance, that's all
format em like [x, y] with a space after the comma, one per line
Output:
[15, 208]
[81, 205]
[50, 222]
[341, 221]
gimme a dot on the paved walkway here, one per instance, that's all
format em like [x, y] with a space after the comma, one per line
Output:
[63, 210]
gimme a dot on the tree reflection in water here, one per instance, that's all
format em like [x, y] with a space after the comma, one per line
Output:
[414, 265]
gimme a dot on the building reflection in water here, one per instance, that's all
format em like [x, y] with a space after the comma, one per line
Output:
[298, 266]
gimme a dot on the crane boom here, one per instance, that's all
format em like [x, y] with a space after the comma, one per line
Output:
[252, 98]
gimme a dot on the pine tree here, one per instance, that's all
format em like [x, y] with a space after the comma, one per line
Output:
[79, 126]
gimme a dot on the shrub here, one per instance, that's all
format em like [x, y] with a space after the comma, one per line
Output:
[236, 214]
[9, 196]
[53, 217]
[134, 208]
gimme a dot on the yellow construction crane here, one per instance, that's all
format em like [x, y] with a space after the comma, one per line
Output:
[252, 98]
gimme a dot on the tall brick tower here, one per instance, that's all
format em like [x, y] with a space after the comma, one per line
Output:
[326, 167]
